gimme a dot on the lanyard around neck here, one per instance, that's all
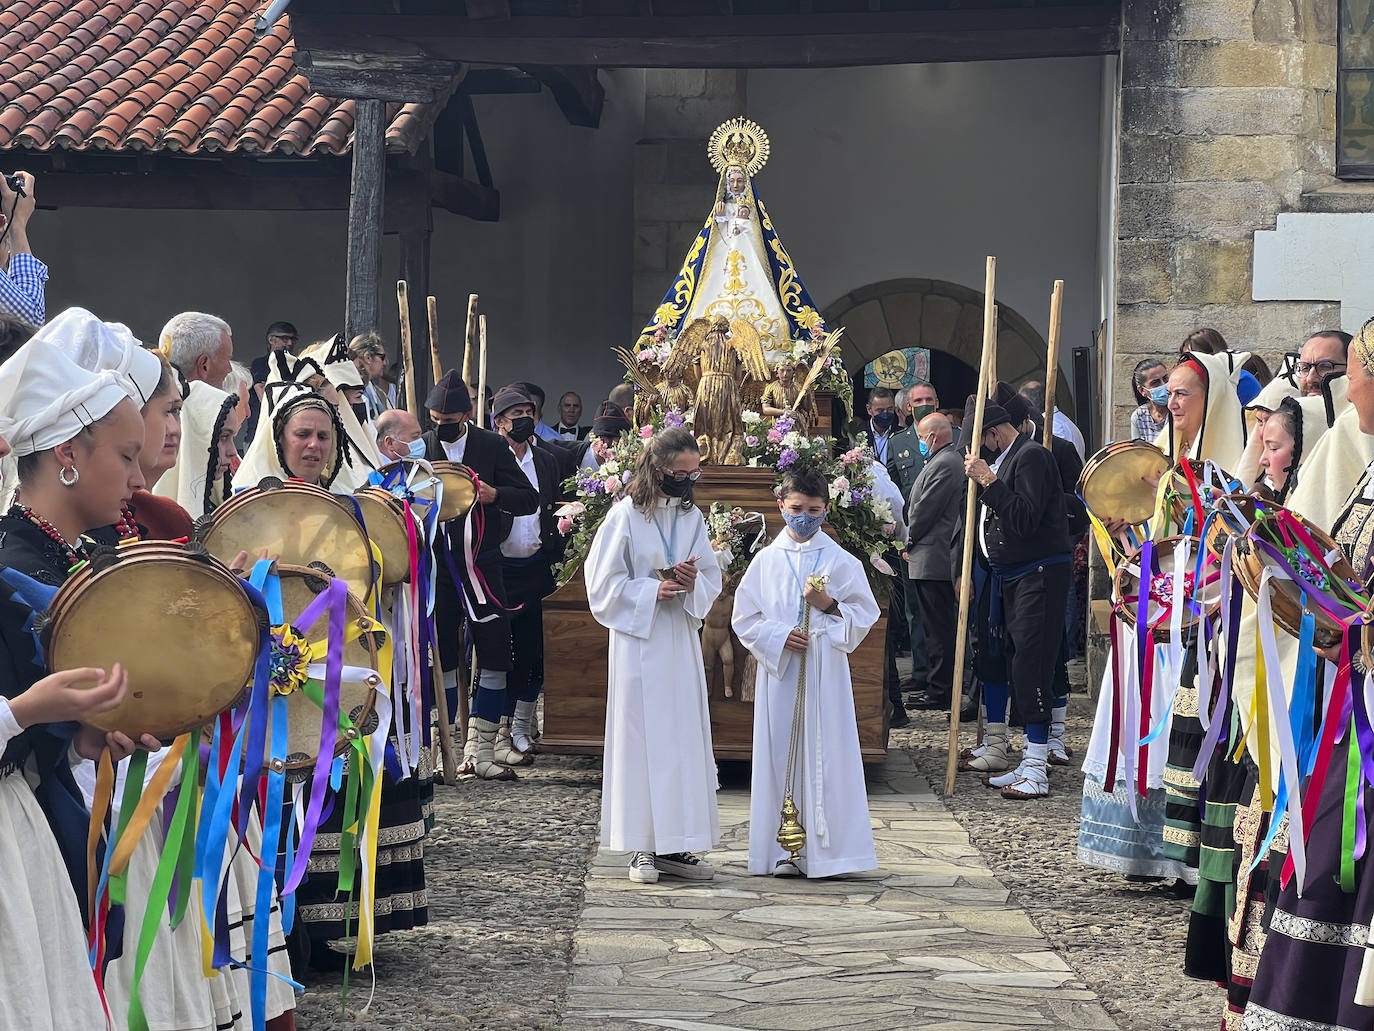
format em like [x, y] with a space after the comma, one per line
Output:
[669, 541]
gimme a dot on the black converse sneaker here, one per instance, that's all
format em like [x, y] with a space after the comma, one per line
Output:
[642, 868]
[685, 866]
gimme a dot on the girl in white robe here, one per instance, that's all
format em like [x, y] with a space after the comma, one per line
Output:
[658, 797]
[828, 789]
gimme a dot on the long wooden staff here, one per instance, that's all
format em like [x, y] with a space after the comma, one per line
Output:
[435, 362]
[970, 511]
[482, 371]
[469, 338]
[407, 349]
[441, 702]
[1052, 357]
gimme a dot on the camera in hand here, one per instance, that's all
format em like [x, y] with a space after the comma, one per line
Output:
[15, 181]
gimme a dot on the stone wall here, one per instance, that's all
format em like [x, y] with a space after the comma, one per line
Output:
[1227, 119]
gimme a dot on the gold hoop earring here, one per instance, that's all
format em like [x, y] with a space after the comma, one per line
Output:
[61, 475]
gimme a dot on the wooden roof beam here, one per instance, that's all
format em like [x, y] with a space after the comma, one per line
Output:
[741, 41]
[578, 92]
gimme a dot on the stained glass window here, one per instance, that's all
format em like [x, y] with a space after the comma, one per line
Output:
[1355, 91]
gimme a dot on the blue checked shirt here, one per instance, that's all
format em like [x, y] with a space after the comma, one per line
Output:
[21, 290]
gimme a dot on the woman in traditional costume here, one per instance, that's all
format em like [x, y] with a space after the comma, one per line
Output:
[1160, 839]
[206, 455]
[77, 438]
[298, 438]
[651, 580]
[804, 567]
[1316, 970]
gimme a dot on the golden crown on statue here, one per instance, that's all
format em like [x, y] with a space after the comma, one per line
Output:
[738, 142]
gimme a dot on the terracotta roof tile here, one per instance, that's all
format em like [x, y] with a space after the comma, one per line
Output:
[180, 75]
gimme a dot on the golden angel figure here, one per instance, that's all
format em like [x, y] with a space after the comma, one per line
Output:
[726, 354]
[785, 394]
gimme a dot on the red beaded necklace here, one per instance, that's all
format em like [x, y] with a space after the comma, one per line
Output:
[73, 555]
[126, 528]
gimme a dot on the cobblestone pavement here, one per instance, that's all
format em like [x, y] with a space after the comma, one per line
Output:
[928, 941]
[1124, 940]
[505, 866]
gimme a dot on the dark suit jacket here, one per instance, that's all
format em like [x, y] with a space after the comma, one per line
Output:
[548, 472]
[905, 461]
[1026, 515]
[488, 455]
[934, 514]
[1070, 468]
[582, 431]
[568, 454]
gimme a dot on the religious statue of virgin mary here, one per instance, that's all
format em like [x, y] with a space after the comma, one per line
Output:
[737, 267]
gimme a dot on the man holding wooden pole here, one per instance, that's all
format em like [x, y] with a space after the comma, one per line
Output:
[1021, 528]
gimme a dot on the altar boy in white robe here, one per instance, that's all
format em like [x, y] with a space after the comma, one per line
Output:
[801, 567]
[651, 579]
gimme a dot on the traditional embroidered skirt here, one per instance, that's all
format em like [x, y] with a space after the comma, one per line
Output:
[1316, 946]
[1182, 804]
[1110, 838]
[1256, 892]
[1205, 956]
[45, 979]
[401, 901]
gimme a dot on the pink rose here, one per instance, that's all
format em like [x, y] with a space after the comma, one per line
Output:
[842, 483]
[774, 437]
[613, 485]
[752, 440]
[564, 525]
[890, 529]
[646, 432]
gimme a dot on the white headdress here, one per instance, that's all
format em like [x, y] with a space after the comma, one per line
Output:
[192, 483]
[96, 346]
[264, 456]
[46, 399]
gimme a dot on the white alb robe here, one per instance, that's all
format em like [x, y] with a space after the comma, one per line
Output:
[658, 789]
[829, 792]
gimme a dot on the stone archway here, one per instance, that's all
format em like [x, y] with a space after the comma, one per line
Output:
[947, 319]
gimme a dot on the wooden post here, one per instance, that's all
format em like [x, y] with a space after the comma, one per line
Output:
[435, 361]
[482, 371]
[365, 217]
[407, 349]
[469, 338]
[1052, 357]
[970, 528]
[414, 241]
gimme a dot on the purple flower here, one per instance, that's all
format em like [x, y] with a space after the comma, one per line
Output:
[783, 425]
[752, 440]
[592, 486]
[788, 456]
[672, 418]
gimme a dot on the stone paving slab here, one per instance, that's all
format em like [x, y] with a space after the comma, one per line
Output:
[929, 941]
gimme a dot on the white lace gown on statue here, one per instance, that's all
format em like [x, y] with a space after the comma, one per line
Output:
[659, 783]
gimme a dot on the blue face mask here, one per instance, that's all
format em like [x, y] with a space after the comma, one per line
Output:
[925, 449]
[885, 421]
[1160, 394]
[417, 448]
[803, 525]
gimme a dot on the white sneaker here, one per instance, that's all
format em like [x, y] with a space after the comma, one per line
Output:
[786, 868]
[686, 866]
[642, 868]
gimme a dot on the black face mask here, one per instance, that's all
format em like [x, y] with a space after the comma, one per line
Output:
[449, 432]
[885, 421]
[675, 488]
[360, 410]
[521, 429]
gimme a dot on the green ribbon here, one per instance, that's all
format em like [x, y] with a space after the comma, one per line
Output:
[133, 791]
[1352, 789]
[181, 832]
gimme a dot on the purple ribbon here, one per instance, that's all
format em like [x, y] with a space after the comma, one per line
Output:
[335, 600]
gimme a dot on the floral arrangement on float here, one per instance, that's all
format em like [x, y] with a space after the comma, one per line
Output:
[862, 521]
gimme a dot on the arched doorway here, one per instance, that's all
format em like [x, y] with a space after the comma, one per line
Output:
[946, 319]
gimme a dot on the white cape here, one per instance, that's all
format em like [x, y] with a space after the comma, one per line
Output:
[829, 789]
[658, 790]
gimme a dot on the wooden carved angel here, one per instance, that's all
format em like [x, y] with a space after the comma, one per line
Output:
[726, 355]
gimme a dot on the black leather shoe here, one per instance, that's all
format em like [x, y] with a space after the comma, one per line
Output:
[899, 718]
[926, 701]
